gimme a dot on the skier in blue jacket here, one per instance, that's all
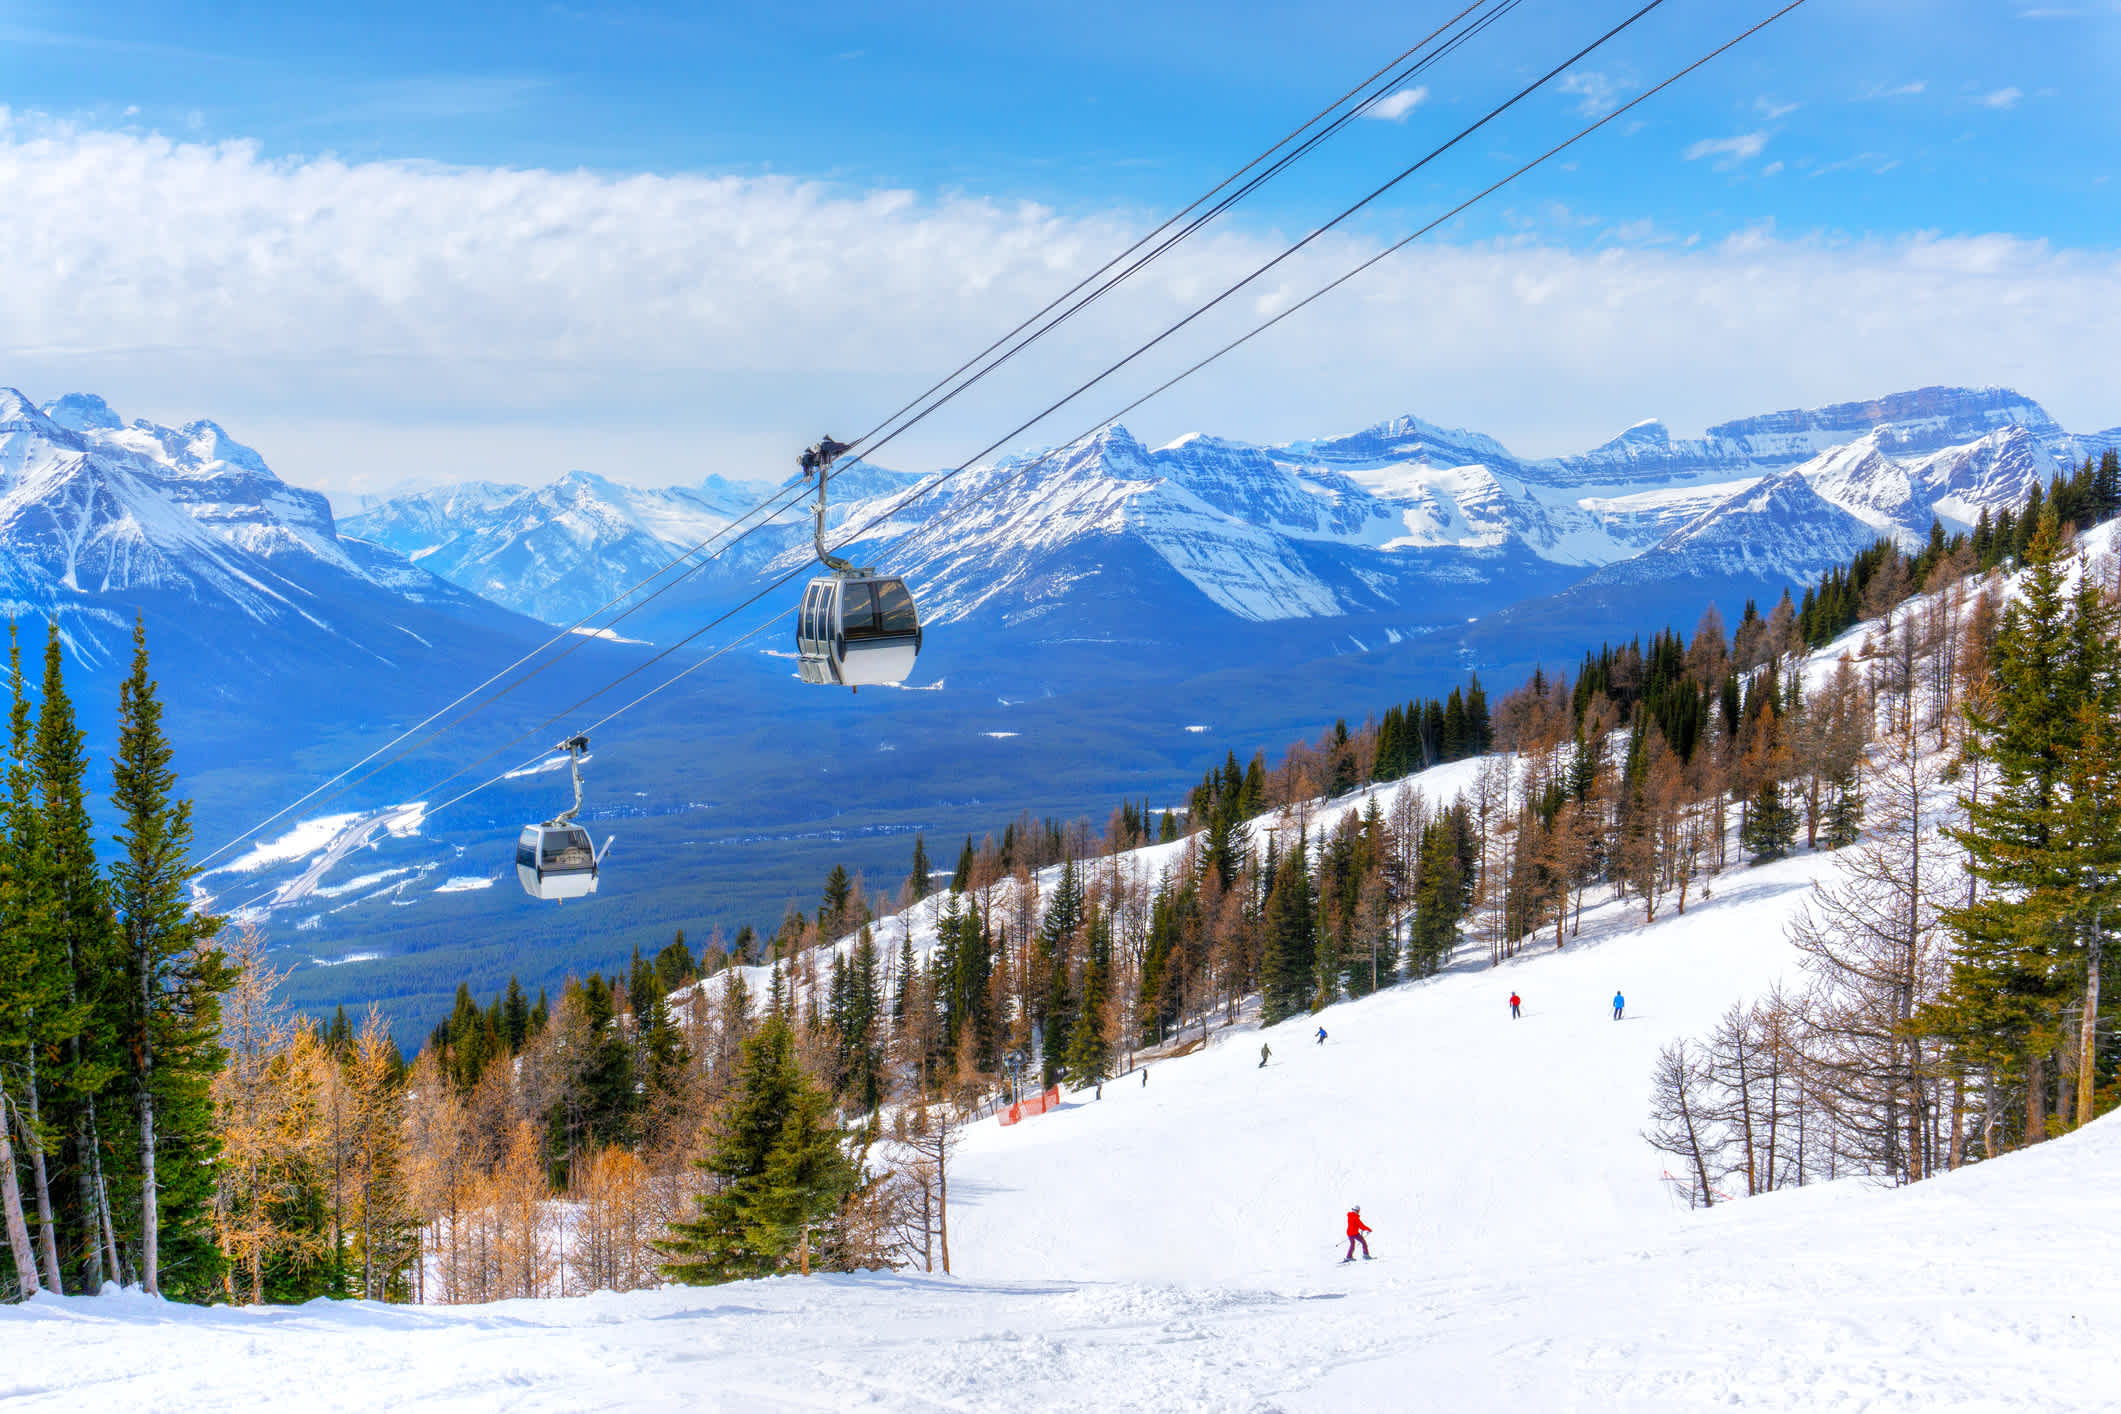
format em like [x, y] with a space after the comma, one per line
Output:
[1619, 1005]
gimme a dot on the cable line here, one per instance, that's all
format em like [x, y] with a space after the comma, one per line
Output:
[392, 755]
[1020, 473]
[1378, 95]
[922, 491]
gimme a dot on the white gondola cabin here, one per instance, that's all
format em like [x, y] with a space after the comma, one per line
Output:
[856, 630]
[557, 860]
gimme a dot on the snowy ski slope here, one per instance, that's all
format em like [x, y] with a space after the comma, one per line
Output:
[1175, 1247]
[1463, 1134]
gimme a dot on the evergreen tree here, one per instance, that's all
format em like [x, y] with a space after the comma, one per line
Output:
[73, 901]
[2036, 928]
[961, 878]
[675, 966]
[1443, 886]
[1770, 829]
[609, 1100]
[832, 912]
[917, 879]
[1057, 935]
[1089, 1058]
[778, 1168]
[1844, 813]
[1291, 950]
[40, 1016]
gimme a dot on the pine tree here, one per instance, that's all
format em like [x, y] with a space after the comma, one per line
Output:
[961, 878]
[1844, 814]
[38, 1013]
[1089, 1058]
[832, 912]
[1770, 829]
[917, 879]
[778, 1168]
[1291, 951]
[74, 903]
[2032, 935]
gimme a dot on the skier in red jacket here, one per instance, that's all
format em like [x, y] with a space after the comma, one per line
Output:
[1515, 1002]
[1356, 1228]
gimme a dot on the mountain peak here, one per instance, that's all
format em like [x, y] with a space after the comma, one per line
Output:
[1935, 414]
[83, 412]
[206, 442]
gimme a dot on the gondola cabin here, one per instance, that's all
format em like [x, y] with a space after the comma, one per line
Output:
[857, 630]
[555, 861]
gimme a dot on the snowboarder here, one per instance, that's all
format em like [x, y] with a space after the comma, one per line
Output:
[1619, 1005]
[1263, 1054]
[1321, 1035]
[1515, 1002]
[1356, 1228]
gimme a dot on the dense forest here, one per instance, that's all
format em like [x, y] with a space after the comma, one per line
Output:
[788, 1099]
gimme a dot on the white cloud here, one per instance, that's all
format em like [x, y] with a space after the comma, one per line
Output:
[1598, 93]
[1729, 152]
[370, 323]
[1769, 109]
[1906, 90]
[1395, 107]
[2004, 99]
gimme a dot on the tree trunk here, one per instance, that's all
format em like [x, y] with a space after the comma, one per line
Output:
[2088, 1037]
[1955, 1149]
[85, 1140]
[110, 1238]
[2035, 1099]
[150, 1214]
[48, 1230]
[11, 1200]
[942, 1193]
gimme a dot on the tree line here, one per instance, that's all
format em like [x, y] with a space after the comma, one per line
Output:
[110, 997]
[1952, 1006]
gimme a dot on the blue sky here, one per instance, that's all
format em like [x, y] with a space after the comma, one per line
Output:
[1866, 126]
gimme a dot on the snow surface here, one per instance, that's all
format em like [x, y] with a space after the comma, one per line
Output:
[1176, 1247]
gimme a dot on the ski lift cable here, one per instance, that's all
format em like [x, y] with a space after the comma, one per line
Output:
[573, 631]
[1391, 84]
[920, 492]
[580, 638]
[1317, 232]
[1485, 192]
[1392, 80]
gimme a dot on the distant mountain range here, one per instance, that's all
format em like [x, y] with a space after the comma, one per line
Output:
[1399, 527]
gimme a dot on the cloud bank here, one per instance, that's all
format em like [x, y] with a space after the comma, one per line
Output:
[370, 323]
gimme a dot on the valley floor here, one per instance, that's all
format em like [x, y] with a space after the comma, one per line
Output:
[1176, 1246]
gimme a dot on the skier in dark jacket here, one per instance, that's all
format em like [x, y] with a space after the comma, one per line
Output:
[1263, 1054]
[1356, 1228]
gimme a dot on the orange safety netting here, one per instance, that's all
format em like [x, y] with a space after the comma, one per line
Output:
[1047, 1099]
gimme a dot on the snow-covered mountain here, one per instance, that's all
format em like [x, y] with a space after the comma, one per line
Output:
[1405, 521]
[561, 551]
[269, 629]
[99, 517]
